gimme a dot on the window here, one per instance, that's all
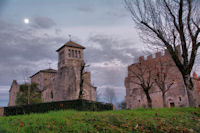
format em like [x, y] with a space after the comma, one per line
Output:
[62, 59]
[76, 54]
[69, 52]
[79, 54]
[179, 98]
[72, 53]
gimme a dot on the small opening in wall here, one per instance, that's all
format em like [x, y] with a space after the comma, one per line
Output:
[179, 98]
[172, 105]
[139, 101]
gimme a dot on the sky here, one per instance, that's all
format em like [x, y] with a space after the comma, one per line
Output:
[104, 27]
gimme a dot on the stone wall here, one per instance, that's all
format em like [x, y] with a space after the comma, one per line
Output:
[176, 96]
[1, 111]
[13, 93]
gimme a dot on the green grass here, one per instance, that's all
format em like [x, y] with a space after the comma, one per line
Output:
[139, 120]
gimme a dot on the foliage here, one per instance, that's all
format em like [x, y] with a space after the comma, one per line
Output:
[79, 104]
[162, 120]
[28, 94]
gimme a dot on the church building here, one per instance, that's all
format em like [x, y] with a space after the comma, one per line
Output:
[64, 83]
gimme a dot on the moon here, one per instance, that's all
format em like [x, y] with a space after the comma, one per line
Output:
[26, 21]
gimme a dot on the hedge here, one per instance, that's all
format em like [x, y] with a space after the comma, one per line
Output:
[80, 104]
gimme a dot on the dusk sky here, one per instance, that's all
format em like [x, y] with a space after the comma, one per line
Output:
[104, 27]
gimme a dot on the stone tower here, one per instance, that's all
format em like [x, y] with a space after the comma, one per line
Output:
[70, 60]
[70, 54]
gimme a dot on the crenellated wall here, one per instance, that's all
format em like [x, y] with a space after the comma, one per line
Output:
[176, 95]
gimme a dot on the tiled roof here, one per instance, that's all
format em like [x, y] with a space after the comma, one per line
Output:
[46, 71]
[71, 44]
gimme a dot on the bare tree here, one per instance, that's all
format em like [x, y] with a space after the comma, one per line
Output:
[98, 95]
[142, 76]
[109, 95]
[169, 23]
[82, 73]
[161, 78]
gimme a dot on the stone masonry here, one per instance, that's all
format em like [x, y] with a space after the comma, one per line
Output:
[1, 111]
[175, 96]
[64, 83]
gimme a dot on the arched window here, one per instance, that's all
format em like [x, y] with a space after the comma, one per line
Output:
[179, 98]
[79, 54]
[76, 54]
[69, 52]
[72, 53]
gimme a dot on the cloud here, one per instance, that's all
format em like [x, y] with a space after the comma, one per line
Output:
[25, 50]
[4, 95]
[107, 48]
[86, 9]
[43, 22]
[109, 57]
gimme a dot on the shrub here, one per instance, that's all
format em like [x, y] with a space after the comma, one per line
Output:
[80, 104]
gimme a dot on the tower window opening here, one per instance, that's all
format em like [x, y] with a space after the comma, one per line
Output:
[69, 53]
[76, 53]
[79, 54]
[62, 60]
[72, 53]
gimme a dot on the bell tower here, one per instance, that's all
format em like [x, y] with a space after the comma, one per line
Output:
[70, 54]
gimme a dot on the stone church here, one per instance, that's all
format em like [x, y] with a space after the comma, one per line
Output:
[175, 96]
[64, 83]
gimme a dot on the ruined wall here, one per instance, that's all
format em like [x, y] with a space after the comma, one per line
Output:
[13, 93]
[176, 95]
[44, 81]
[38, 79]
[89, 91]
[1, 111]
[196, 91]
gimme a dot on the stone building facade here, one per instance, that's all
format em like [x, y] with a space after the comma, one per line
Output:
[13, 93]
[64, 83]
[175, 96]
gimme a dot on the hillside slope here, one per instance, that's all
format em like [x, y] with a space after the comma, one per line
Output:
[140, 120]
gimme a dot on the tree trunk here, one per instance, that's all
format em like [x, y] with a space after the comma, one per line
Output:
[28, 94]
[164, 100]
[149, 101]
[189, 88]
[81, 82]
[191, 99]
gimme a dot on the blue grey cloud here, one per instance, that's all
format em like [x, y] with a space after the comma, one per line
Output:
[43, 22]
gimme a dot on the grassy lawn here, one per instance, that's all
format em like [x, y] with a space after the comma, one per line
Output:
[139, 120]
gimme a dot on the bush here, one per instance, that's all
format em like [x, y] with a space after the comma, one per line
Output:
[80, 104]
